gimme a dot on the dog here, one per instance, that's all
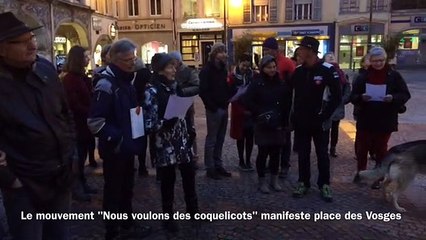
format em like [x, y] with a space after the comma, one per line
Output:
[398, 169]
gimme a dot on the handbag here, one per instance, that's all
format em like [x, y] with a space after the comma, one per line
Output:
[268, 119]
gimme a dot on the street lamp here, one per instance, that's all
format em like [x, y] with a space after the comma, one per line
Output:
[369, 26]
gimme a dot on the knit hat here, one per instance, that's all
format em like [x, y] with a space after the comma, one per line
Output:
[270, 43]
[216, 48]
[159, 61]
[265, 60]
[176, 55]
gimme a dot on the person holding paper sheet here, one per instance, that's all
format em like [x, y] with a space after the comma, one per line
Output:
[171, 139]
[188, 86]
[376, 120]
[242, 127]
[110, 120]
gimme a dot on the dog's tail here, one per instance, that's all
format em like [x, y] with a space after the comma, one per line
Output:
[380, 171]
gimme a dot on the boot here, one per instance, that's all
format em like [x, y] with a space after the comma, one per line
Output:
[263, 186]
[78, 193]
[333, 151]
[275, 184]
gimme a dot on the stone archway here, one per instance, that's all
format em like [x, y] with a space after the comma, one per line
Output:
[67, 35]
[97, 49]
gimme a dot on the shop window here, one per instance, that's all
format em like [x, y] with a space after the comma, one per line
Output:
[149, 49]
[190, 8]
[303, 11]
[212, 8]
[260, 13]
[133, 6]
[155, 7]
[349, 6]
[378, 5]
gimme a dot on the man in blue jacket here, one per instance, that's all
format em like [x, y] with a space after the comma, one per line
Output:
[109, 119]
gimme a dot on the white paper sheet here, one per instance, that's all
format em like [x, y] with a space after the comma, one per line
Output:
[178, 106]
[137, 123]
[377, 92]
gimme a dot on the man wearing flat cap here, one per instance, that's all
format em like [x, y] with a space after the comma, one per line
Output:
[316, 95]
[37, 135]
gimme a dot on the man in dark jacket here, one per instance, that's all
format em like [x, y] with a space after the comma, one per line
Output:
[37, 135]
[316, 96]
[215, 93]
[109, 119]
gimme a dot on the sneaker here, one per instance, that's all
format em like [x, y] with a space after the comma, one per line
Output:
[213, 174]
[249, 167]
[357, 178]
[222, 172]
[283, 172]
[326, 193]
[300, 190]
[242, 167]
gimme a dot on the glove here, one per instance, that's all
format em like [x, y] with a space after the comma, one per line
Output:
[170, 123]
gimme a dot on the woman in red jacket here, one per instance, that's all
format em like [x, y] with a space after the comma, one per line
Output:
[242, 127]
[78, 88]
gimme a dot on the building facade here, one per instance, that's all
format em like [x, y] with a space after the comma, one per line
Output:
[149, 24]
[66, 23]
[352, 28]
[408, 20]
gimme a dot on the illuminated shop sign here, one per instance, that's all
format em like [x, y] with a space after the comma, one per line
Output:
[201, 23]
[307, 32]
[357, 28]
[418, 20]
[140, 27]
[60, 40]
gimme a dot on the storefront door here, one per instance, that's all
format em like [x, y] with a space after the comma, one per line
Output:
[206, 47]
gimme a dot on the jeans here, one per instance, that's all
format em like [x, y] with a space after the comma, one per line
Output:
[286, 151]
[334, 134]
[304, 139]
[216, 130]
[17, 200]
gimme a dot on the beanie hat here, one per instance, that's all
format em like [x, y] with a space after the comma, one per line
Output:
[265, 60]
[216, 48]
[270, 43]
[176, 55]
[245, 57]
[159, 61]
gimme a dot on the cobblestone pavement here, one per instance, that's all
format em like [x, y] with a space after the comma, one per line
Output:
[239, 194]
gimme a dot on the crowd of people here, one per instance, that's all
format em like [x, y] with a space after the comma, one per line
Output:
[49, 123]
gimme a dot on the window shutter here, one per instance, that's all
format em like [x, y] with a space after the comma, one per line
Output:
[317, 10]
[289, 10]
[273, 11]
[247, 11]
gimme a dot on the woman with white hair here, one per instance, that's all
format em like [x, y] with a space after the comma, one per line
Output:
[377, 115]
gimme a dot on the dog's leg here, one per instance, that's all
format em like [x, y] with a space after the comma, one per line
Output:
[395, 196]
[385, 184]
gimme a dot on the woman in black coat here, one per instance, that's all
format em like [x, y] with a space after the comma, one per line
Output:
[269, 100]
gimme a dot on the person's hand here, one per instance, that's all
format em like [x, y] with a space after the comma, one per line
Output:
[366, 97]
[388, 98]
[3, 159]
[16, 184]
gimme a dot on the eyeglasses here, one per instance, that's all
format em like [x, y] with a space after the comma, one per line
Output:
[377, 61]
[128, 61]
[31, 39]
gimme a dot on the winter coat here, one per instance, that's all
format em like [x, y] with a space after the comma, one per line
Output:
[37, 131]
[339, 113]
[214, 89]
[375, 116]
[187, 81]
[78, 89]
[171, 143]
[240, 117]
[317, 94]
[109, 116]
[264, 95]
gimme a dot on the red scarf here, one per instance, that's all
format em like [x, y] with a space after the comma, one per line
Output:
[377, 77]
